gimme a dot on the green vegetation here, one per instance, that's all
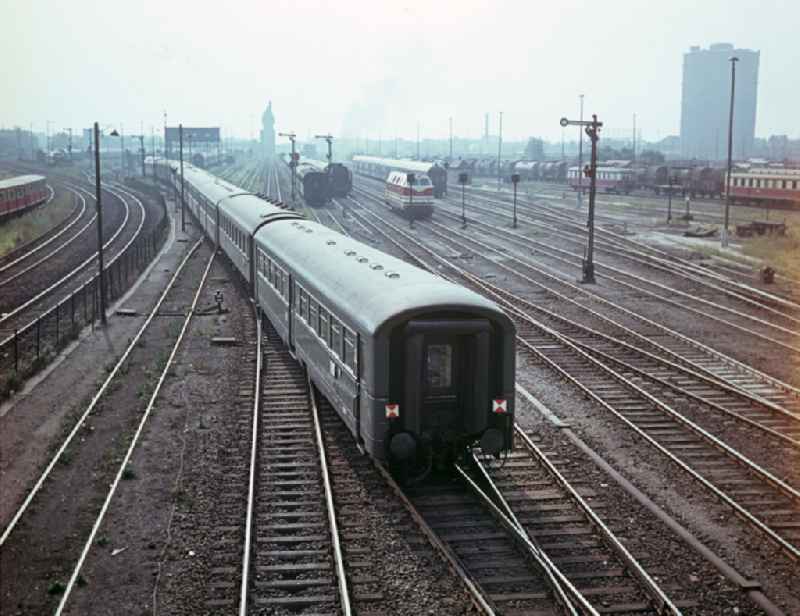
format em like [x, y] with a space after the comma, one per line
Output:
[29, 226]
[56, 588]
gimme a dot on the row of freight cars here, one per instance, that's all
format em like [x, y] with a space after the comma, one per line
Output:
[749, 185]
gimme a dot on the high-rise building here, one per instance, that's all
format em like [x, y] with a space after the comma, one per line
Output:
[268, 132]
[706, 101]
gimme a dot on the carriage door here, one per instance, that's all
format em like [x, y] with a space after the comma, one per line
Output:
[446, 377]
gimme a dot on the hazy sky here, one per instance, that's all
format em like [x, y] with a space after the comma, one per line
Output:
[380, 67]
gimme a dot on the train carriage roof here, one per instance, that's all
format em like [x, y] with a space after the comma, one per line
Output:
[414, 166]
[20, 180]
[364, 286]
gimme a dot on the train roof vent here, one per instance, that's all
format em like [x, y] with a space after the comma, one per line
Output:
[350, 252]
[392, 275]
[376, 266]
[331, 242]
[362, 260]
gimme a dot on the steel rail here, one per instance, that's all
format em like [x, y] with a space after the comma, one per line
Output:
[564, 591]
[628, 312]
[748, 464]
[338, 554]
[789, 548]
[75, 271]
[556, 213]
[29, 253]
[126, 459]
[663, 602]
[650, 323]
[95, 399]
[251, 480]
[481, 602]
[571, 258]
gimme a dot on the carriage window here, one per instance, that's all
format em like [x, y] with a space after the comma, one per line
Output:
[336, 336]
[439, 366]
[322, 328]
[312, 313]
[350, 349]
[302, 303]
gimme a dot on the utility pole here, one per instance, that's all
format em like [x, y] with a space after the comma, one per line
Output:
[183, 208]
[69, 143]
[293, 161]
[593, 130]
[515, 181]
[141, 148]
[98, 204]
[329, 139]
[733, 61]
[580, 158]
[451, 137]
[166, 152]
[463, 178]
[499, 151]
[669, 195]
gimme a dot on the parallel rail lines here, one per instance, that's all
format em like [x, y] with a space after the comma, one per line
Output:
[760, 498]
[19, 255]
[294, 528]
[11, 319]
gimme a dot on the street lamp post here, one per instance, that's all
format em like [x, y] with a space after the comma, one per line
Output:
[499, 150]
[592, 129]
[411, 179]
[580, 158]
[669, 196]
[733, 61]
[515, 181]
[293, 161]
[463, 178]
[180, 148]
[100, 267]
[329, 139]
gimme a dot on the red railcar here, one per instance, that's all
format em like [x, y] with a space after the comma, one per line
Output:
[21, 193]
[609, 179]
[777, 187]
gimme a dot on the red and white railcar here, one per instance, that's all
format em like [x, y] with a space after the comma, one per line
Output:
[21, 192]
[414, 200]
[609, 179]
[766, 186]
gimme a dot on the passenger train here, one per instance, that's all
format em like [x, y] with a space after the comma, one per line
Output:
[766, 186]
[609, 179]
[21, 193]
[380, 168]
[420, 370]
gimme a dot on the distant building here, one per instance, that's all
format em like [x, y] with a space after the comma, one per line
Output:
[268, 132]
[705, 102]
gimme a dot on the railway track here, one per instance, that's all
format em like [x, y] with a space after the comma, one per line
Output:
[570, 224]
[763, 500]
[700, 288]
[766, 397]
[17, 258]
[59, 283]
[49, 537]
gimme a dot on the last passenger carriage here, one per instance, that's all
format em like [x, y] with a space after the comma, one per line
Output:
[421, 370]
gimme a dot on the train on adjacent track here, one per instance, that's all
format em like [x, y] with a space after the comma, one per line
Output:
[380, 168]
[320, 182]
[21, 193]
[421, 370]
